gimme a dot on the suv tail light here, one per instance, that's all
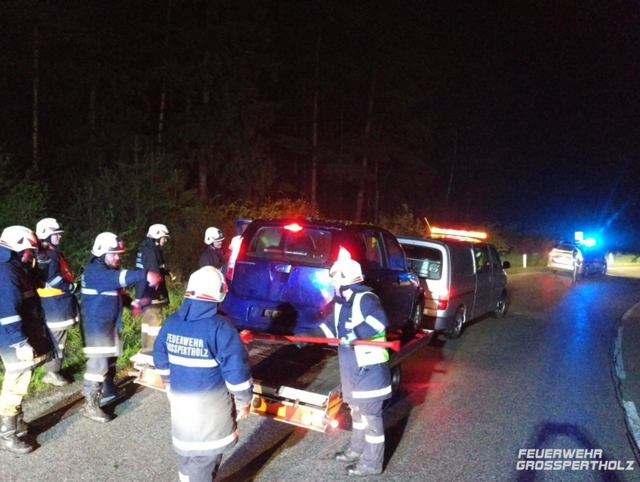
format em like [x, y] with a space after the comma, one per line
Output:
[236, 242]
[442, 298]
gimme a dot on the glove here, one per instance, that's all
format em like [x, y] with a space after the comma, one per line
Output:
[138, 306]
[25, 352]
[242, 410]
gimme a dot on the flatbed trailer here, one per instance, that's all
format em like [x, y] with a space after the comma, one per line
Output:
[294, 383]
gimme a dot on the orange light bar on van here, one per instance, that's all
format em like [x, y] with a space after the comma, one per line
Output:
[293, 227]
[459, 233]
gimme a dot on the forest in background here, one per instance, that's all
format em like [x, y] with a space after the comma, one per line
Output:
[121, 114]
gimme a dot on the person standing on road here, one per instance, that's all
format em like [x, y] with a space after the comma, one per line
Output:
[58, 301]
[151, 301]
[25, 340]
[213, 255]
[205, 368]
[576, 254]
[103, 298]
[364, 370]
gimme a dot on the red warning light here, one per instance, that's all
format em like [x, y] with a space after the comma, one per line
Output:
[293, 227]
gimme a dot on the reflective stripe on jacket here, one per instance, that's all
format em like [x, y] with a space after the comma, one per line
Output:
[365, 355]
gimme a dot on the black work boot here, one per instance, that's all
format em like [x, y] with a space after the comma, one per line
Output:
[92, 408]
[21, 426]
[8, 438]
[361, 470]
[347, 456]
[109, 391]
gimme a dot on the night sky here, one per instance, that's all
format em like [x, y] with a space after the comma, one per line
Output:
[531, 108]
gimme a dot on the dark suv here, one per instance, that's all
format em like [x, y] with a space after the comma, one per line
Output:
[279, 280]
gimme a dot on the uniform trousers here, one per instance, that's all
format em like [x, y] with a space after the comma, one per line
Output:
[367, 435]
[53, 365]
[100, 372]
[14, 389]
[151, 324]
[198, 469]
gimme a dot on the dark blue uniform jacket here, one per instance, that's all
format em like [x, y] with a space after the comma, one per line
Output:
[103, 298]
[200, 354]
[151, 258]
[21, 315]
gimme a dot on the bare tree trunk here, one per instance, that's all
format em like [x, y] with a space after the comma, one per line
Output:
[36, 80]
[314, 157]
[453, 166]
[92, 110]
[202, 175]
[365, 157]
[205, 152]
[163, 93]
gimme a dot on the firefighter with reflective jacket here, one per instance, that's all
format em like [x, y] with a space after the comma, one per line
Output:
[25, 340]
[364, 370]
[151, 301]
[103, 298]
[213, 255]
[205, 367]
[59, 304]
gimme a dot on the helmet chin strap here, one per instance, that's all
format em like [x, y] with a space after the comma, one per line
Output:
[345, 292]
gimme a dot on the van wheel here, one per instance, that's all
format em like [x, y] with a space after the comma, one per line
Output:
[501, 308]
[458, 321]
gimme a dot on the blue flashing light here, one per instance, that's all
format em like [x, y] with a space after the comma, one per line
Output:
[589, 242]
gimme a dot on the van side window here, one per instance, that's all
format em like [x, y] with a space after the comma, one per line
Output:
[373, 249]
[395, 256]
[483, 260]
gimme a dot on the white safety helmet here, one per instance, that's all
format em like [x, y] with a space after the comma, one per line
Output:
[48, 226]
[211, 235]
[18, 238]
[346, 272]
[157, 231]
[206, 284]
[106, 243]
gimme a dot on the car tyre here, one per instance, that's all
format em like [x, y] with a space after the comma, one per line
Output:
[458, 321]
[501, 308]
[396, 377]
[415, 323]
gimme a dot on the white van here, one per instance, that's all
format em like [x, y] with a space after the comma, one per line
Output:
[462, 280]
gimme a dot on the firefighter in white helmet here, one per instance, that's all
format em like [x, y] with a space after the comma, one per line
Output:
[205, 367]
[25, 340]
[103, 298]
[213, 255]
[364, 370]
[57, 295]
[151, 301]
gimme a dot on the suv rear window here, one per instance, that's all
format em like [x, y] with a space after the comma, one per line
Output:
[425, 262]
[311, 246]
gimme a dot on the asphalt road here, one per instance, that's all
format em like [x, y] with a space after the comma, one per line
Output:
[541, 378]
